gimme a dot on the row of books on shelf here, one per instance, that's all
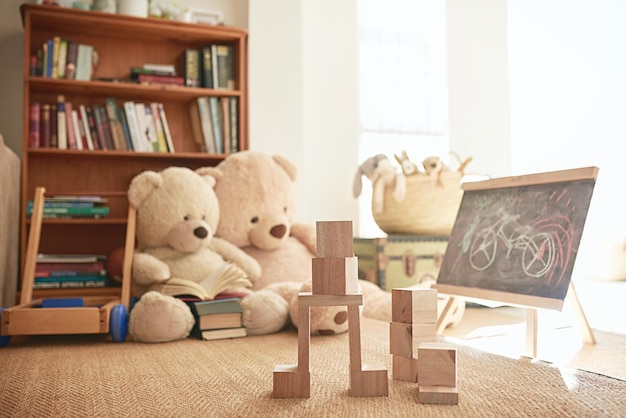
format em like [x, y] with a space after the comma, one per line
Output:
[72, 207]
[214, 123]
[211, 66]
[62, 58]
[63, 271]
[129, 126]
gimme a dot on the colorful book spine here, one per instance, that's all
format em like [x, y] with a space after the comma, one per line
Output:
[44, 133]
[166, 128]
[61, 123]
[34, 124]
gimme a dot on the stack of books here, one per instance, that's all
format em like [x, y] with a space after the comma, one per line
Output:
[217, 319]
[62, 271]
[72, 207]
[156, 74]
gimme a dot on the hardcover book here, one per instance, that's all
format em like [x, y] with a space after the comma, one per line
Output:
[229, 276]
[191, 63]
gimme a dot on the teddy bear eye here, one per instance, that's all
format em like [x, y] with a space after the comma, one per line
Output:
[204, 217]
[254, 219]
[285, 209]
[186, 217]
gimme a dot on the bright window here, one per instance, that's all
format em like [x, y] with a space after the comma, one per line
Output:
[402, 82]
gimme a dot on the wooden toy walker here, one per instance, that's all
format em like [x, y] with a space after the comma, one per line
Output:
[76, 315]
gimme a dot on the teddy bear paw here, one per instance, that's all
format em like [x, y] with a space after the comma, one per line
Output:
[264, 312]
[159, 318]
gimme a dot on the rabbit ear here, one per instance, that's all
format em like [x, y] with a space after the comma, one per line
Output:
[357, 186]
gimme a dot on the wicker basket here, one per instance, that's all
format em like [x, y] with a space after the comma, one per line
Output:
[427, 209]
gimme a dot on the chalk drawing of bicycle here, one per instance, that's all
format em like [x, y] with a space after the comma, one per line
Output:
[538, 248]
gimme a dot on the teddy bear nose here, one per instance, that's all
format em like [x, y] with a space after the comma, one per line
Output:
[278, 231]
[201, 232]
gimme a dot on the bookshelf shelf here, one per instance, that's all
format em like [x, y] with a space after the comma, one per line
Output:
[121, 42]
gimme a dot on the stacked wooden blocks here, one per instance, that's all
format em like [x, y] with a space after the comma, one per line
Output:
[417, 357]
[437, 373]
[335, 282]
[413, 320]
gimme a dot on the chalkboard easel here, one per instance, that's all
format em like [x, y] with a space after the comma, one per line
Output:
[515, 240]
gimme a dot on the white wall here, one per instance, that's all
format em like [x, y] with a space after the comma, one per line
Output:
[568, 109]
[303, 98]
[478, 84]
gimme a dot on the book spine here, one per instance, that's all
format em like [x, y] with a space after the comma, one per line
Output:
[44, 133]
[70, 65]
[71, 275]
[93, 129]
[166, 128]
[206, 124]
[53, 126]
[154, 108]
[117, 133]
[49, 268]
[217, 124]
[97, 115]
[62, 60]
[84, 62]
[225, 67]
[151, 128]
[61, 123]
[160, 79]
[56, 45]
[133, 127]
[196, 128]
[192, 67]
[225, 104]
[106, 128]
[140, 115]
[206, 65]
[34, 127]
[234, 124]
[121, 116]
[71, 211]
[69, 126]
[82, 110]
[77, 132]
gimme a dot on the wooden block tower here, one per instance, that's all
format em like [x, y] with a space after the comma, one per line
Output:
[437, 373]
[413, 320]
[335, 283]
[417, 357]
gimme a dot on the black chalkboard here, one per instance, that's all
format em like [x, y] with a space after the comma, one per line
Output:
[515, 239]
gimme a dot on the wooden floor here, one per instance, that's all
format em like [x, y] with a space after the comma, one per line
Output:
[501, 330]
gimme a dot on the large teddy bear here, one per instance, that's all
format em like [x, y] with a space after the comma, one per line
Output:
[177, 216]
[257, 204]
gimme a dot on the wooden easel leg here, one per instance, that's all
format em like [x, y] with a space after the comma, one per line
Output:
[442, 321]
[531, 332]
[572, 297]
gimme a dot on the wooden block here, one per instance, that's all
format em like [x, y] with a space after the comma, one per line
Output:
[289, 382]
[309, 299]
[334, 239]
[442, 395]
[335, 275]
[372, 380]
[304, 337]
[414, 306]
[404, 369]
[354, 340]
[404, 339]
[436, 364]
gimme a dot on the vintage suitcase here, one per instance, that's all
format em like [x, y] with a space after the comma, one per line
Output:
[400, 260]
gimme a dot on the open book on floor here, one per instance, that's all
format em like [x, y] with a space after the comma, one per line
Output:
[228, 277]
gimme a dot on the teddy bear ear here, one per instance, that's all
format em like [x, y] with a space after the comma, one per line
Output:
[210, 174]
[142, 185]
[287, 165]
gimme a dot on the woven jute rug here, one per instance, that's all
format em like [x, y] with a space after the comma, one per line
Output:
[89, 376]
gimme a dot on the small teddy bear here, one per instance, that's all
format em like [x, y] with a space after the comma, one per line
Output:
[177, 216]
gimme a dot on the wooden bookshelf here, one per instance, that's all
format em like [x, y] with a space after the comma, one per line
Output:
[122, 42]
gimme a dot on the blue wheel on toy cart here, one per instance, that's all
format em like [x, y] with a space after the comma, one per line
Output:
[4, 339]
[118, 323]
